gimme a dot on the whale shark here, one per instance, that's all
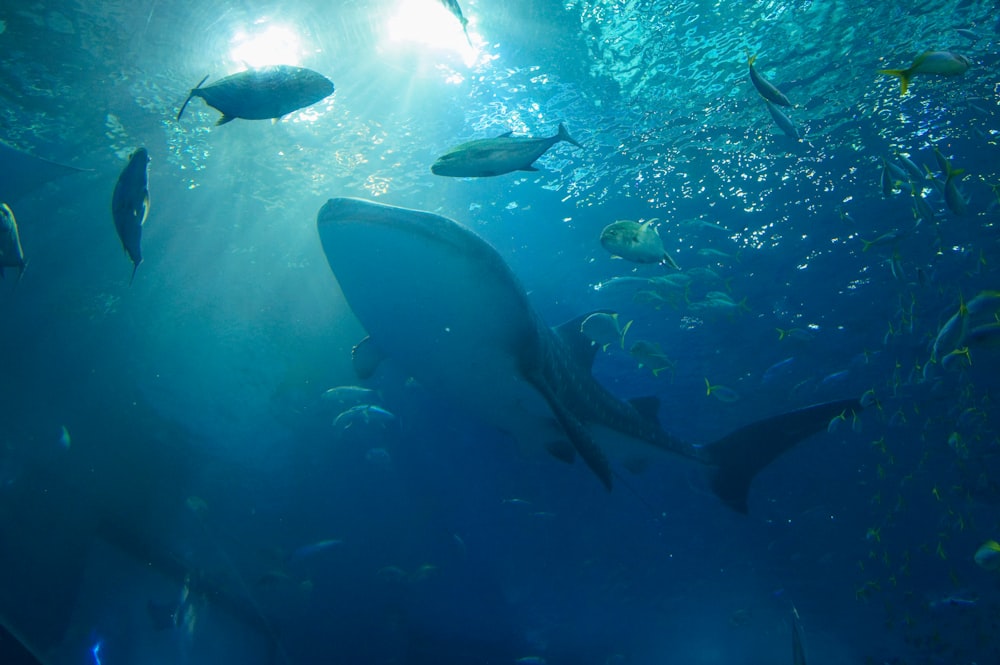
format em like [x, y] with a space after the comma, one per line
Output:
[440, 302]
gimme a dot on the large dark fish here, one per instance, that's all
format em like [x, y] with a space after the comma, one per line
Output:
[483, 158]
[130, 206]
[11, 254]
[440, 302]
[262, 94]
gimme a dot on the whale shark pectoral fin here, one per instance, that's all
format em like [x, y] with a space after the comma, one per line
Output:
[577, 434]
[740, 455]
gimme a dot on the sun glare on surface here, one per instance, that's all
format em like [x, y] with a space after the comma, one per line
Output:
[263, 45]
[428, 23]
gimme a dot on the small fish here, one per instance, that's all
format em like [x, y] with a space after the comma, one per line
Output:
[896, 171]
[636, 241]
[916, 174]
[883, 239]
[11, 254]
[798, 639]
[603, 328]
[868, 399]
[365, 414]
[616, 282]
[940, 63]
[378, 457]
[64, 439]
[953, 197]
[710, 252]
[783, 122]
[130, 206]
[985, 300]
[798, 334]
[951, 601]
[312, 549]
[834, 425]
[968, 34]
[721, 393]
[262, 94]
[886, 179]
[649, 354]
[423, 572]
[835, 377]
[392, 574]
[957, 359]
[484, 158]
[196, 505]
[766, 89]
[724, 304]
[344, 397]
[922, 210]
[705, 224]
[988, 555]
[896, 265]
[986, 335]
[777, 368]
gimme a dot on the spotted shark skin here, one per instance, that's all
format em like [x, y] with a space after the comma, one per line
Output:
[441, 303]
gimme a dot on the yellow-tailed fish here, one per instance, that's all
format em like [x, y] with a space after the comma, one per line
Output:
[988, 555]
[940, 63]
[766, 89]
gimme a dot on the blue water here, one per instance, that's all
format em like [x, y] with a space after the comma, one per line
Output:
[203, 474]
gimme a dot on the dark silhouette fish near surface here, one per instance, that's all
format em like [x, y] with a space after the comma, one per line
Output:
[262, 94]
[500, 362]
[130, 206]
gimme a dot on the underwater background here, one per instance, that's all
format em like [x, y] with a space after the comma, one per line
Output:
[174, 489]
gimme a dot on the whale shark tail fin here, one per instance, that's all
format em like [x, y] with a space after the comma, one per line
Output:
[740, 455]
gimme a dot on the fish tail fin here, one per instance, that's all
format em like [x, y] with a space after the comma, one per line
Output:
[750, 58]
[621, 337]
[190, 95]
[563, 135]
[739, 456]
[868, 243]
[904, 78]
[134, 268]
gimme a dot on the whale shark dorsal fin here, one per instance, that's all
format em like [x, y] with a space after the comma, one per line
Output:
[648, 407]
[506, 134]
[581, 347]
[366, 357]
